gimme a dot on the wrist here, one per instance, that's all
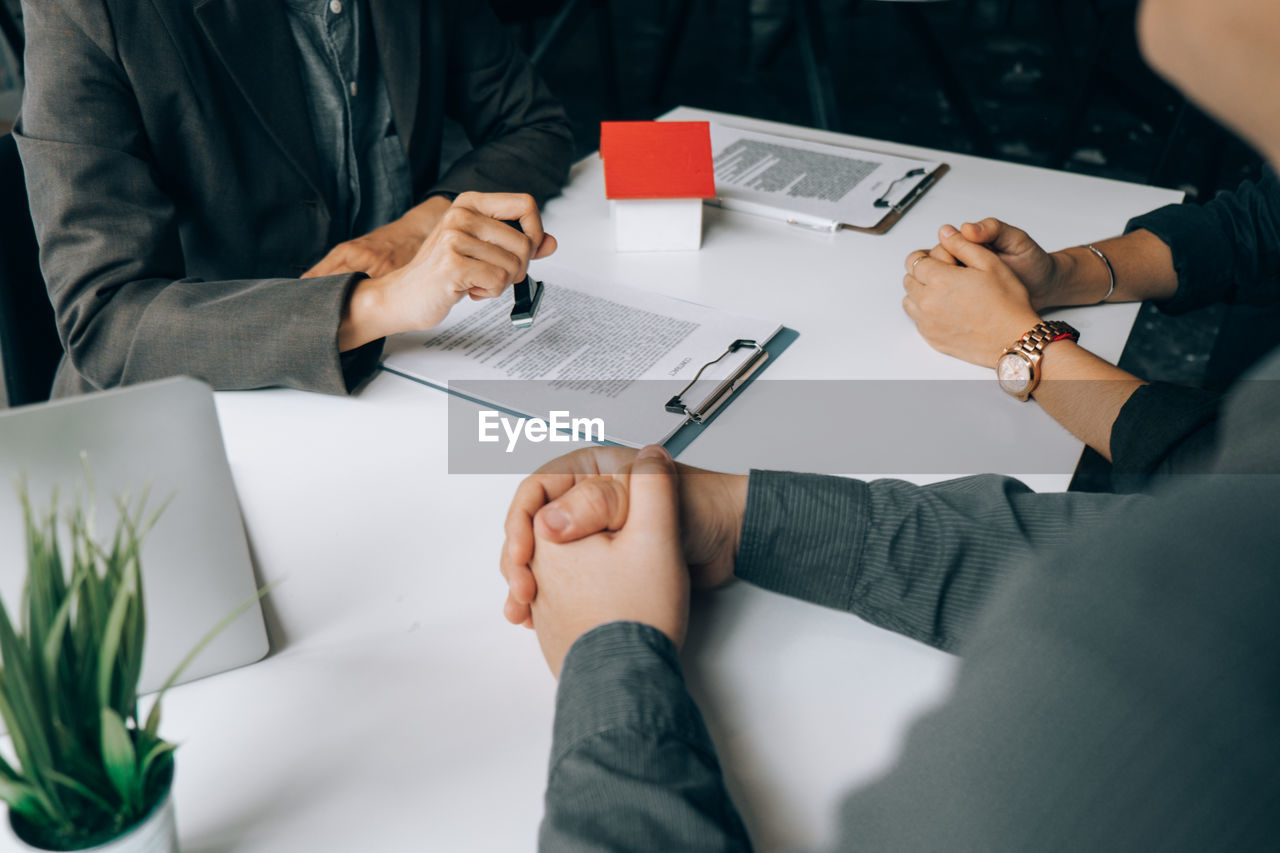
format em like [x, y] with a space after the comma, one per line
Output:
[713, 506]
[735, 486]
[1054, 357]
[1081, 277]
[426, 216]
[370, 313]
[1009, 332]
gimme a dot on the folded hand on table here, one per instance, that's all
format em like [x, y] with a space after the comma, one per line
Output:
[972, 311]
[589, 491]
[635, 573]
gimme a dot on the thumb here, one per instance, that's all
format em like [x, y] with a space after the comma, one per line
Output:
[655, 505]
[967, 252]
[1002, 237]
[547, 247]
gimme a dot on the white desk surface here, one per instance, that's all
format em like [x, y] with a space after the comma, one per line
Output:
[400, 712]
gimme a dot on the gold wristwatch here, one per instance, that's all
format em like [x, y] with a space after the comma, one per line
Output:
[1018, 370]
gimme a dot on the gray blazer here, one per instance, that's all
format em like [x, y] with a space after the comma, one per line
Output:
[172, 172]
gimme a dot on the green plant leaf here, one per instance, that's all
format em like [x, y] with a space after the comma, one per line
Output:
[112, 635]
[150, 766]
[153, 719]
[83, 790]
[57, 666]
[23, 799]
[119, 758]
[135, 642]
[21, 712]
[47, 800]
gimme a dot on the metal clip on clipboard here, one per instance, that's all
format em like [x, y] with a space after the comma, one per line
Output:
[905, 201]
[725, 389]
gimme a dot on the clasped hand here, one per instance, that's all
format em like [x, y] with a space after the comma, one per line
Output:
[975, 308]
[605, 534]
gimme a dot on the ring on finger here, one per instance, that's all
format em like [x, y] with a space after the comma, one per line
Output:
[923, 254]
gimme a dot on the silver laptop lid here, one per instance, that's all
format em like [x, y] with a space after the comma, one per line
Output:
[195, 561]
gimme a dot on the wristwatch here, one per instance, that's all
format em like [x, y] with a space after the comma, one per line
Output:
[1018, 370]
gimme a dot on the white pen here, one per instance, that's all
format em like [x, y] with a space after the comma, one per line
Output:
[812, 223]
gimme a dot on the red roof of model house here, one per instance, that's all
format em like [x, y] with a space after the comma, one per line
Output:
[657, 159]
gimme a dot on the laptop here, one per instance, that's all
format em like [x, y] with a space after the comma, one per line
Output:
[195, 560]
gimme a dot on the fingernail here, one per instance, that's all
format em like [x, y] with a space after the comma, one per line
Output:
[653, 451]
[554, 518]
[948, 231]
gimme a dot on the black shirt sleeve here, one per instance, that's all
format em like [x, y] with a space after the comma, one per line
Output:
[1227, 250]
[522, 136]
[1163, 430]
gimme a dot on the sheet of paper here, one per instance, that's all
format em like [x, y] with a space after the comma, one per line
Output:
[830, 183]
[607, 352]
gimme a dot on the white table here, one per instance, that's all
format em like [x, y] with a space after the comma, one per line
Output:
[399, 712]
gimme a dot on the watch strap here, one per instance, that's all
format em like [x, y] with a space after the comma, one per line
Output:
[1031, 347]
[1045, 333]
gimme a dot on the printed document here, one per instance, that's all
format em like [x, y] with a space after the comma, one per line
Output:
[612, 353]
[829, 184]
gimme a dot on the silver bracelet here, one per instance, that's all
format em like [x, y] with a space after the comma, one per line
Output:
[1111, 271]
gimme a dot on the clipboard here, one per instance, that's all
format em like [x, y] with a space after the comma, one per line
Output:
[701, 413]
[709, 409]
[816, 185]
[573, 362]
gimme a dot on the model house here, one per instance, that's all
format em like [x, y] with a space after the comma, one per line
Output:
[656, 175]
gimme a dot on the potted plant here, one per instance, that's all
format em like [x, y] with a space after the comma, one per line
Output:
[91, 774]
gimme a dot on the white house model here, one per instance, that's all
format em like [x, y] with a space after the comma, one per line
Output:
[656, 175]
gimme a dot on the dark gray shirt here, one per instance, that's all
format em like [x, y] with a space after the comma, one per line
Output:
[1121, 679]
[366, 181]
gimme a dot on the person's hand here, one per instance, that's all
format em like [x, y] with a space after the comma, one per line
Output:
[384, 249]
[585, 492]
[1038, 270]
[472, 252]
[971, 312]
[636, 574]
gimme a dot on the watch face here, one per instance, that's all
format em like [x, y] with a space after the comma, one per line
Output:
[1013, 372]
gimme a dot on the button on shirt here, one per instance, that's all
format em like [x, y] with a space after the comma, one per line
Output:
[366, 181]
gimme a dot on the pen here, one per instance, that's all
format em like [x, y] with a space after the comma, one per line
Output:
[800, 220]
[813, 223]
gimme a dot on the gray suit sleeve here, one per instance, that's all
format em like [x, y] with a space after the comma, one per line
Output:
[919, 560]
[632, 765]
[522, 137]
[110, 249]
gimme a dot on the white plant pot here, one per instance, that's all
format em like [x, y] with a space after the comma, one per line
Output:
[157, 833]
